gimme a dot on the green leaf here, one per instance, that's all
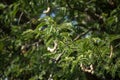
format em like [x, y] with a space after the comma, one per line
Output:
[2, 6]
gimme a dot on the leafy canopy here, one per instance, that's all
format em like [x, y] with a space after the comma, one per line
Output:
[59, 39]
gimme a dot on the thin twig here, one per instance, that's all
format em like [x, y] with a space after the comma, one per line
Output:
[27, 46]
[111, 51]
[58, 57]
[56, 60]
[82, 34]
[20, 17]
[46, 11]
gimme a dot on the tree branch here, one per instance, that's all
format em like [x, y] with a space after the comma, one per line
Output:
[93, 15]
[24, 48]
[82, 34]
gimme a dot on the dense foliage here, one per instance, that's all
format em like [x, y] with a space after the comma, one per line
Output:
[60, 39]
